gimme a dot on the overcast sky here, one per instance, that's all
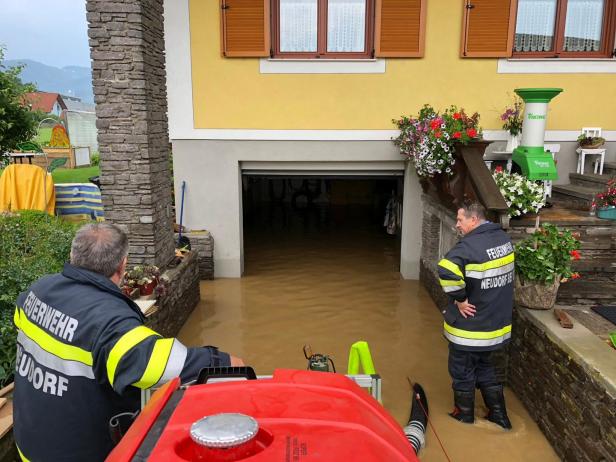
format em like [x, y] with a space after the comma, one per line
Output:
[52, 32]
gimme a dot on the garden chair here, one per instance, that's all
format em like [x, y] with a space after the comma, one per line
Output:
[591, 132]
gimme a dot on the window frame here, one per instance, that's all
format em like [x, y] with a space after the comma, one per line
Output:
[608, 31]
[322, 52]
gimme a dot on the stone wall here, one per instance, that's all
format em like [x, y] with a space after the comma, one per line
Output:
[128, 72]
[202, 243]
[564, 393]
[182, 297]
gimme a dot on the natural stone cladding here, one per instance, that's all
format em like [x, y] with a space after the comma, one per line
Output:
[183, 295]
[572, 408]
[202, 243]
[128, 73]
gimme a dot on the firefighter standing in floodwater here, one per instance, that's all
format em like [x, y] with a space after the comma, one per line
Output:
[477, 275]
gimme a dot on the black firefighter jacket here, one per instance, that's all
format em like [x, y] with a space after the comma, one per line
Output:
[479, 267]
[83, 354]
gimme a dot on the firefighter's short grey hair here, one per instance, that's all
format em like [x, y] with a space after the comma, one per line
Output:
[99, 247]
[474, 208]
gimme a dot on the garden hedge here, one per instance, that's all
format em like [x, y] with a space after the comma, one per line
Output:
[32, 244]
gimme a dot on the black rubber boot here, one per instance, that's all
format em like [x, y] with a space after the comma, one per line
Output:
[464, 406]
[419, 408]
[415, 429]
[495, 401]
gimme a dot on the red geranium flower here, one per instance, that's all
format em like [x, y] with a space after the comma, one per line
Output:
[435, 124]
[456, 115]
[471, 132]
[437, 134]
[457, 135]
[575, 254]
[575, 276]
[498, 169]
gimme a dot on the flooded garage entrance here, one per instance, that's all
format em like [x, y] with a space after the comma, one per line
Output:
[327, 275]
[309, 221]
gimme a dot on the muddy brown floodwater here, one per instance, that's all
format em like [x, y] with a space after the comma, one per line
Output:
[324, 278]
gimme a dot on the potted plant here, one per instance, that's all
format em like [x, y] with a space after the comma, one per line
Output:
[605, 202]
[144, 277]
[588, 142]
[521, 194]
[429, 139]
[512, 123]
[542, 262]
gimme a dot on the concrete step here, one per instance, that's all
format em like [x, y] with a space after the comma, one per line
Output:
[609, 168]
[590, 180]
[573, 196]
[575, 190]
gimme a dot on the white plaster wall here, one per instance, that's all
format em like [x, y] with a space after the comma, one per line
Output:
[212, 171]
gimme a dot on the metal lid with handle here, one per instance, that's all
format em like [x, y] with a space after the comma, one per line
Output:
[225, 430]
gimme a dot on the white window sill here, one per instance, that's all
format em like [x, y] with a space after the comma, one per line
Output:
[322, 66]
[556, 66]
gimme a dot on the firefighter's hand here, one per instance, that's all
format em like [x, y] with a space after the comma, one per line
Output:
[466, 309]
[235, 361]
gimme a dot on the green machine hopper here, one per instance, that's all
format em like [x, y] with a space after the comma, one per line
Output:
[531, 157]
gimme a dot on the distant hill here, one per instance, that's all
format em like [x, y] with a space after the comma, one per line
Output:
[69, 80]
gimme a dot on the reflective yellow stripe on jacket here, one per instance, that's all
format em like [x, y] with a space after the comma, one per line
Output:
[21, 455]
[476, 338]
[129, 340]
[157, 363]
[451, 266]
[490, 268]
[48, 342]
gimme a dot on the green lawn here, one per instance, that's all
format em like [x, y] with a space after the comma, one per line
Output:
[74, 175]
[43, 136]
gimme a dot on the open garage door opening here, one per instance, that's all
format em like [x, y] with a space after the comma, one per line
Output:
[330, 224]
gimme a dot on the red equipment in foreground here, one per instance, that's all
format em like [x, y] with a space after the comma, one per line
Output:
[302, 416]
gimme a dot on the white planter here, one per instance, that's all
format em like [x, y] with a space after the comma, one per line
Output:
[512, 142]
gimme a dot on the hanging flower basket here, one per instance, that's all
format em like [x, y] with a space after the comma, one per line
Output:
[534, 295]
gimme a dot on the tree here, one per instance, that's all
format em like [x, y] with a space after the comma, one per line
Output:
[17, 122]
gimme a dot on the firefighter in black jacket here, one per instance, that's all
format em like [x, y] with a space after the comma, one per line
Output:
[83, 354]
[477, 275]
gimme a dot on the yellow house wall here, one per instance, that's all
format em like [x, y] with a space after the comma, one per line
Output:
[232, 93]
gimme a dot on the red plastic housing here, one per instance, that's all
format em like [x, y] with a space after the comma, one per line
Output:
[303, 416]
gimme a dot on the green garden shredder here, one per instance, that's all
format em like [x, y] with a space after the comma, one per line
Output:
[532, 159]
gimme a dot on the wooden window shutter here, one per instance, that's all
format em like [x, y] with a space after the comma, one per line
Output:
[487, 28]
[400, 28]
[245, 28]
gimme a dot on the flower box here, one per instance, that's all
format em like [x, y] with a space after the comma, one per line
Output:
[607, 213]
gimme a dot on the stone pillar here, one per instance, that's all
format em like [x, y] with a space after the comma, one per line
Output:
[128, 72]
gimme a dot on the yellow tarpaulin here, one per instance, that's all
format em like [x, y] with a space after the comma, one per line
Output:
[26, 187]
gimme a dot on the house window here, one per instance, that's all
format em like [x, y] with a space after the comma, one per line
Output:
[309, 29]
[322, 29]
[564, 28]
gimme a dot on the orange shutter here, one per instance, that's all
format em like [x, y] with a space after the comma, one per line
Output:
[245, 26]
[400, 28]
[487, 28]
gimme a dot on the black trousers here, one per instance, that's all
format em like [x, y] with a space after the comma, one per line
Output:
[470, 369]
